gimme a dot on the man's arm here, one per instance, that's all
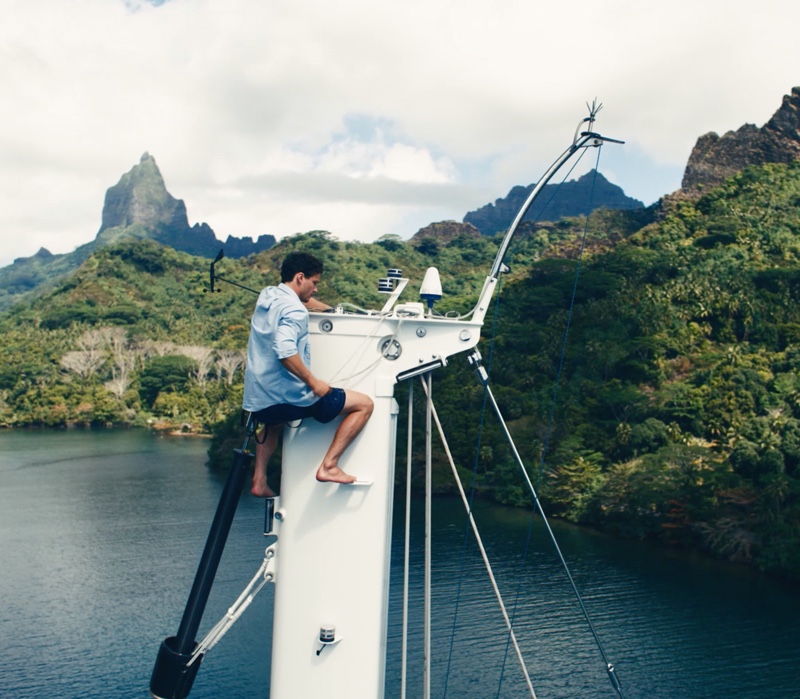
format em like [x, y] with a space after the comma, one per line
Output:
[313, 305]
[295, 365]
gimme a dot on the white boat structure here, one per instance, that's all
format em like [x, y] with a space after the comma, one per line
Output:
[329, 544]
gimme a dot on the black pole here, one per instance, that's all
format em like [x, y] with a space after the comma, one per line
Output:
[217, 537]
[212, 275]
[172, 677]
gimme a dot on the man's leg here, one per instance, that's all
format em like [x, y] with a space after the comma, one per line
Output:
[357, 410]
[265, 448]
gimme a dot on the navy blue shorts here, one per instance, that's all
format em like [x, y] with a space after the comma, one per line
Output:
[324, 410]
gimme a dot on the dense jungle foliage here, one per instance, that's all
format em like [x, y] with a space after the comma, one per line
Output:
[672, 414]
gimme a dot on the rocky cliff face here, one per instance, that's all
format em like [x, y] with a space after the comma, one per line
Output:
[715, 158]
[141, 197]
[140, 206]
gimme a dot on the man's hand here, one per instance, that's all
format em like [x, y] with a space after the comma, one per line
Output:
[320, 388]
[295, 365]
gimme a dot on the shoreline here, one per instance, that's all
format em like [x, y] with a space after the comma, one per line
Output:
[159, 428]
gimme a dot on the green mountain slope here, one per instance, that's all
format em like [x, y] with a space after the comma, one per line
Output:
[131, 304]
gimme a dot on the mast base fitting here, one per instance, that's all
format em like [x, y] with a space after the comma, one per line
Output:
[172, 677]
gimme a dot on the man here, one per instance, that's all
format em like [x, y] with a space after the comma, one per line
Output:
[279, 386]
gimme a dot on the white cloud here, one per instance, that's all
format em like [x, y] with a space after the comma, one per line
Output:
[361, 116]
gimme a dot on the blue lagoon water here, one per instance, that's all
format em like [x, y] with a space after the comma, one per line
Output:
[101, 533]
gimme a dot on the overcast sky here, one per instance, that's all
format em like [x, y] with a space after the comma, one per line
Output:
[362, 117]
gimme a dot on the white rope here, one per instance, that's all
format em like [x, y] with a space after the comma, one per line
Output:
[482, 549]
[426, 382]
[407, 548]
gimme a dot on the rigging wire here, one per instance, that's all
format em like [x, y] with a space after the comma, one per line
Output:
[471, 495]
[536, 219]
[478, 446]
[609, 667]
[487, 393]
[529, 534]
[552, 414]
[553, 403]
[478, 539]
[563, 353]
[475, 359]
[363, 347]
[407, 544]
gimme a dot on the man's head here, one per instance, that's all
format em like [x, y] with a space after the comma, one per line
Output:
[301, 272]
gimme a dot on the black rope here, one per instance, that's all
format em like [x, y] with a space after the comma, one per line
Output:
[232, 283]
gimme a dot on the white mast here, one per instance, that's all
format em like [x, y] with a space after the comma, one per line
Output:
[333, 548]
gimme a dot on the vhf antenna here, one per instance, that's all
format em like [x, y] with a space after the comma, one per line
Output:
[213, 276]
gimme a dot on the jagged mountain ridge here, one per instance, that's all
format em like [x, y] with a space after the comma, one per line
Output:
[574, 198]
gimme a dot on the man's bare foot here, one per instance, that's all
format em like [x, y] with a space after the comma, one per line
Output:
[262, 489]
[334, 474]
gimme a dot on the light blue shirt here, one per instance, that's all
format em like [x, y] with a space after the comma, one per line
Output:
[278, 330]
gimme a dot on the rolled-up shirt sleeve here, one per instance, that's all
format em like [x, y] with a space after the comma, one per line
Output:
[290, 328]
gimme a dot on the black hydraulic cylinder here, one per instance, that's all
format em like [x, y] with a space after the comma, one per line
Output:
[217, 537]
[172, 675]
[171, 678]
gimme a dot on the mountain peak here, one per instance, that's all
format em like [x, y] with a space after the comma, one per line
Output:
[714, 158]
[141, 197]
[574, 198]
[140, 206]
[137, 207]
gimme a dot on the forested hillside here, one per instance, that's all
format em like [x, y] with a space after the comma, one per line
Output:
[677, 411]
[678, 403]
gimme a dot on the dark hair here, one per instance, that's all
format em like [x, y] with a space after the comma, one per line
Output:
[300, 262]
